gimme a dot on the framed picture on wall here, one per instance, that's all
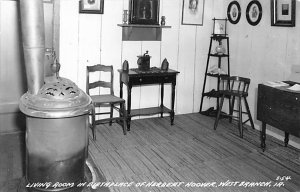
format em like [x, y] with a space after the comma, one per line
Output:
[91, 6]
[144, 12]
[283, 13]
[234, 12]
[254, 12]
[192, 12]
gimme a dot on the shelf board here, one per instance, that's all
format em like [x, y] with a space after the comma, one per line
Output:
[216, 75]
[213, 113]
[134, 32]
[214, 94]
[218, 55]
[143, 26]
[217, 37]
[148, 111]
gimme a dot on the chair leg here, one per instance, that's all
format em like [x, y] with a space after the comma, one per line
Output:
[231, 108]
[219, 113]
[93, 123]
[123, 109]
[111, 114]
[240, 123]
[249, 113]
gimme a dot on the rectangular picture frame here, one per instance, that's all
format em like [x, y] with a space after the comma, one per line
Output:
[192, 12]
[144, 12]
[219, 27]
[283, 13]
[91, 6]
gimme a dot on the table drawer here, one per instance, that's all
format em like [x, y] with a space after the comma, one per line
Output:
[138, 80]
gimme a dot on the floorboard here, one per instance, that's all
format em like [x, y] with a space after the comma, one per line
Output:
[190, 152]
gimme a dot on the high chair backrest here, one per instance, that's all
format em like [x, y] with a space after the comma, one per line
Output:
[99, 83]
[235, 84]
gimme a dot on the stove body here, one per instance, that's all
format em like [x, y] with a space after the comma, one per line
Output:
[57, 113]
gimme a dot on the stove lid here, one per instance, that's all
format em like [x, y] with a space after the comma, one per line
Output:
[58, 99]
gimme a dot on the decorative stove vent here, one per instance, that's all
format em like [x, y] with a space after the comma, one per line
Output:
[59, 90]
[58, 99]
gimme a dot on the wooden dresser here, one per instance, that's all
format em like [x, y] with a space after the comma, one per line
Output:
[280, 108]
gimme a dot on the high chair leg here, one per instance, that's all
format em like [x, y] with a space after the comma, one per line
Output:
[249, 113]
[240, 123]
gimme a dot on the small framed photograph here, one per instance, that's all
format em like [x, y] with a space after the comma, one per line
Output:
[192, 12]
[144, 12]
[234, 12]
[254, 12]
[219, 27]
[283, 13]
[91, 6]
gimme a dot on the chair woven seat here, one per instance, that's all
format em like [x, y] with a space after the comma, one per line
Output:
[100, 99]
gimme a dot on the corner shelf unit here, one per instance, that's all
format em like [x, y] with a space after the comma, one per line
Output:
[214, 93]
[137, 32]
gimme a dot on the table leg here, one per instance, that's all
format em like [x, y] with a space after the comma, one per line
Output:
[129, 87]
[286, 139]
[162, 99]
[172, 103]
[263, 136]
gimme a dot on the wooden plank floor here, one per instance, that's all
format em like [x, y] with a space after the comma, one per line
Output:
[189, 151]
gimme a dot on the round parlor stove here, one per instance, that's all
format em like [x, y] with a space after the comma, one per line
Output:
[57, 122]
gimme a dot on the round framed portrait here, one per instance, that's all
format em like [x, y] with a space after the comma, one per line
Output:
[234, 12]
[254, 12]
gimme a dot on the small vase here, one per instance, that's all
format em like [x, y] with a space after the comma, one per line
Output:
[125, 16]
[163, 20]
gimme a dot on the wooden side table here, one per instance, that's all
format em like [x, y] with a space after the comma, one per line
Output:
[135, 77]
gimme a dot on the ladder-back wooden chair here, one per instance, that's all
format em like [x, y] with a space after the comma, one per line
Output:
[104, 100]
[234, 87]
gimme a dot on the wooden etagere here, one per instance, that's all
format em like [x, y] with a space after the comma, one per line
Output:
[214, 93]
